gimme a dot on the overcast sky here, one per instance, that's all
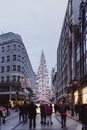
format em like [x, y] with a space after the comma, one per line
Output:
[39, 23]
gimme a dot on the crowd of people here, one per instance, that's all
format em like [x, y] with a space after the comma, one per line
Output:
[29, 110]
[79, 110]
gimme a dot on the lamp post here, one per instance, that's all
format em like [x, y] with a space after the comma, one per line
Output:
[16, 98]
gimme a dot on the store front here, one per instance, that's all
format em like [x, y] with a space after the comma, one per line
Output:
[84, 95]
[76, 97]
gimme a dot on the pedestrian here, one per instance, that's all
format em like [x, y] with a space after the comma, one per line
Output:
[63, 109]
[42, 113]
[25, 108]
[20, 112]
[48, 112]
[23, 112]
[4, 113]
[55, 107]
[32, 115]
[84, 116]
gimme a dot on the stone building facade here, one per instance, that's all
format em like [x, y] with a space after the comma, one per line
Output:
[15, 66]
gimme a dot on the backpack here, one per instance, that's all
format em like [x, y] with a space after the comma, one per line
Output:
[48, 109]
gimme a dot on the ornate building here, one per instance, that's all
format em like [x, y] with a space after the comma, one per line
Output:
[15, 66]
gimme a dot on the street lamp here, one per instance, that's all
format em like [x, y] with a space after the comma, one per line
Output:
[16, 98]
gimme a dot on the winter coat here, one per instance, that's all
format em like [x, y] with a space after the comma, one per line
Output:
[83, 113]
[32, 110]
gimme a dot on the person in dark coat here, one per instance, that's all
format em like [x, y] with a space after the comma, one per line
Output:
[32, 115]
[42, 113]
[23, 112]
[55, 107]
[62, 110]
[84, 116]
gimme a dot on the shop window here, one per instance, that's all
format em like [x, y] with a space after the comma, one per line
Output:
[84, 95]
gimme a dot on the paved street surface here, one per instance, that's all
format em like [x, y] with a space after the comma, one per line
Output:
[12, 123]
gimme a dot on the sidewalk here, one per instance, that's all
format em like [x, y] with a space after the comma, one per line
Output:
[12, 114]
[73, 117]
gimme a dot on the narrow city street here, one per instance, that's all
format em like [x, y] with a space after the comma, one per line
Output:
[43, 64]
[12, 123]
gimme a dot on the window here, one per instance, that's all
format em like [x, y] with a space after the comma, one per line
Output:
[8, 58]
[19, 47]
[14, 67]
[78, 54]
[2, 69]
[2, 59]
[72, 62]
[23, 59]
[7, 79]
[18, 78]
[8, 48]
[8, 68]
[86, 16]
[3, 49]
[19, 68]
[14, 57]
[14, 78]
[2, 79]
[22, 49]
[85, 55]
[14, 47]
[19, 58]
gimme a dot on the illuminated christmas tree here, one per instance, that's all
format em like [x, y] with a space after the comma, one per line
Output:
[42, 92]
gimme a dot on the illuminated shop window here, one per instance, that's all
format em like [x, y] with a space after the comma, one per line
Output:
[76, 96]
[84, 95]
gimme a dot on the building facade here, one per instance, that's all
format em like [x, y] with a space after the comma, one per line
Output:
[67, 53]
[81, 55]
[15, 67]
